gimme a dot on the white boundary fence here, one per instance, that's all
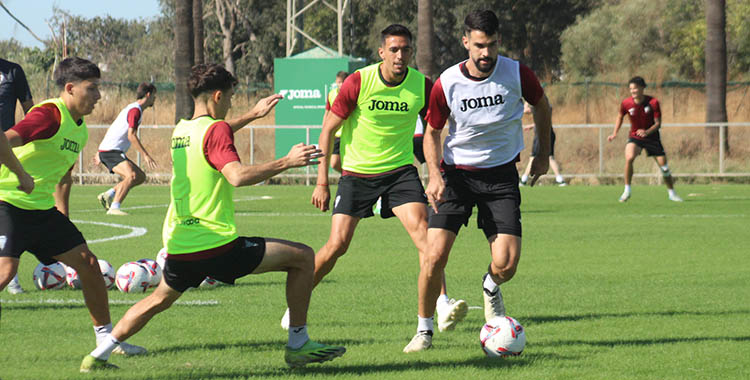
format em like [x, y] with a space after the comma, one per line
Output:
[310, 173]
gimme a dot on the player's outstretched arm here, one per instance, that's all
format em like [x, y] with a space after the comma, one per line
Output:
[542, 113]
[243, 175]
[432, 156]
[7, 158]
[262, 108]
[321, 194]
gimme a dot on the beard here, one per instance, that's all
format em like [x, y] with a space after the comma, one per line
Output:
[485, 65]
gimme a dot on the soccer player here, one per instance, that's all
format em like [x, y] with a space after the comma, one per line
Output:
[200, 234]
[559, 180]
[481, 100]
[120, 135]
[13, 87]
[336, 154]
[47, 142]
[645, 120]
[378, 106]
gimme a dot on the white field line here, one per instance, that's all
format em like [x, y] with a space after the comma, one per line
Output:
[60, 301]
[283, 214]
[134, 231]
[685, 216]
[251, 198]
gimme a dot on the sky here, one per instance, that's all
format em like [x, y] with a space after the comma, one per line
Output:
[35, 16]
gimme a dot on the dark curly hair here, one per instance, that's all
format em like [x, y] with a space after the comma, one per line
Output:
[209, 77]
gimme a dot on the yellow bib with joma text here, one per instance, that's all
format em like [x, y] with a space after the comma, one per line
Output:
[377, 135]
[46, 160]
[201, 208]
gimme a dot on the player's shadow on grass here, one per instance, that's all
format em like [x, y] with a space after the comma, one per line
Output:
[581, 317]
[643, 342]
[269, 345]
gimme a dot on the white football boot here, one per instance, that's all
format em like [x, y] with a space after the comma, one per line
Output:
[127, 349]
[14, 287]
[449, 314]
[493, 303]
[422, 341]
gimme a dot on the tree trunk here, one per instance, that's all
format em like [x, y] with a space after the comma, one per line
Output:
[425, 39]
[716, 70]
[183, 58]
[198, 31]
[227, 22]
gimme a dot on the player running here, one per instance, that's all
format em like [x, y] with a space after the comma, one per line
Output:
[47, 143]
[481, 101]
[120, 135]
[645, 120]
[200, 234]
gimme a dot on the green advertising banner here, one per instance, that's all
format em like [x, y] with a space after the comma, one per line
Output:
[305, 83]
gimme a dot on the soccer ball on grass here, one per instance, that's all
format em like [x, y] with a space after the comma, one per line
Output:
[502, 336]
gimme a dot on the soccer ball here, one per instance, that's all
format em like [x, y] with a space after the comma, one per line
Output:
[48, 277]
[209, 282]
[132, 277]
[108, 272]
[71, 277]
[154, 271]
[502, 336]
[161, 258]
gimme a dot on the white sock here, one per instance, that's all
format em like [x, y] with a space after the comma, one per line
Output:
[104, 349]
[110, 193]
[671, 192]
[489, 283]
[627, 189]
[559, 179]
[102, 332]
[442, 300]
[425, 324]
[297, 337]
[115, 205]
[524, 178]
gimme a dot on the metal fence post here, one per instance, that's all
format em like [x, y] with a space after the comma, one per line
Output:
[138, 152]
[80, 168]
[601, 150]
[722, 136]
[252, 145]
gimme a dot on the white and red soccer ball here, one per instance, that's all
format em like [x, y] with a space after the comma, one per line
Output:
[132, 277]
[71, 277]
[48, 277]
[502, 336]
[209, 282]
[154, 271]
[108, 272]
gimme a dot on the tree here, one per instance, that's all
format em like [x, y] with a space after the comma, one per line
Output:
[716, 69]
[425, 39]
[226, 13]
[183, 58]
[198, 31]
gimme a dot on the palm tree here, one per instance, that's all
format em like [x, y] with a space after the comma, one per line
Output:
[183, 61]
[198, 31]
[716, 70]
[425, 39]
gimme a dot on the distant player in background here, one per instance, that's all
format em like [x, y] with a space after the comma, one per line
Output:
[47, 142]
[200, 233]
[120, 135]
[644, 113]
[13, 87]
[481, 102]
[559, 180]
[376, 109]
[336, 153]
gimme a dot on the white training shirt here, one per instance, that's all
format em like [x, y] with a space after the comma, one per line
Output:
[117, 134]
[485, 120]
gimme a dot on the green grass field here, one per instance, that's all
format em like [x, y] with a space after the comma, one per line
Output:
[649, 289]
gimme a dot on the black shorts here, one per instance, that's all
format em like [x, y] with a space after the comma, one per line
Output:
[44, 233]
[494, 191]
[357, 195]
[535, 146]
[336, 145]
[112, 158]
[239, 261]
[652, 146]
[418, 148]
